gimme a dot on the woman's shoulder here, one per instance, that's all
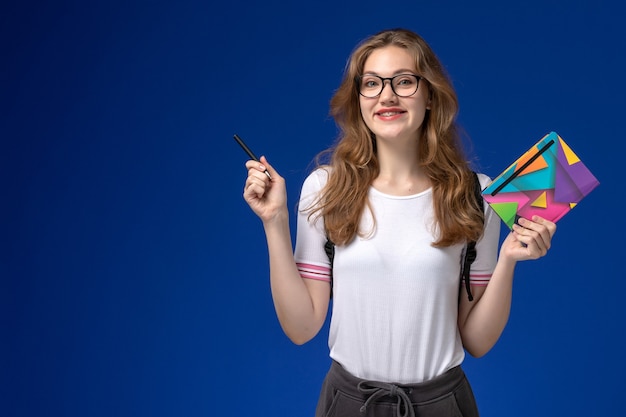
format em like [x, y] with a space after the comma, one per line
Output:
[317, 179]
[313, 185]
[484, 179]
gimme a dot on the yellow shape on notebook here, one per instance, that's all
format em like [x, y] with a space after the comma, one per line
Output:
[541, 201]
[571, 157]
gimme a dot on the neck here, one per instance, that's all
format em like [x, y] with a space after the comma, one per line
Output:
[400, 173]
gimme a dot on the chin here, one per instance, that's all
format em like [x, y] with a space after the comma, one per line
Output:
[394, 134]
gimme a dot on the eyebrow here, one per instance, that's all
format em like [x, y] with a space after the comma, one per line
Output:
[400, 71]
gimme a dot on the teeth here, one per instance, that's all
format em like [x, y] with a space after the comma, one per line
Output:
[389, 113]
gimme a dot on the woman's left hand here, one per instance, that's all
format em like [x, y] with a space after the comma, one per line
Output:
[530, 239]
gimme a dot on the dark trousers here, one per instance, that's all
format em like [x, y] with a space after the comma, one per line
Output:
[343, 395]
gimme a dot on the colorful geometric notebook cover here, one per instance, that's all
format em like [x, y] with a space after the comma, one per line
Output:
[548, 180]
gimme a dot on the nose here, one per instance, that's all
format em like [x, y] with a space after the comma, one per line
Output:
[387, 94]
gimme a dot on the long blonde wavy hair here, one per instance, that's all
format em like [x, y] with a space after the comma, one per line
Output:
[354, 163]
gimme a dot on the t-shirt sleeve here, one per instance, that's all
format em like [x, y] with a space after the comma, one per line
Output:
[310, 256]
[487, 247]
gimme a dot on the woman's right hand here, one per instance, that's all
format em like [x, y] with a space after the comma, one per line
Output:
[266, 197]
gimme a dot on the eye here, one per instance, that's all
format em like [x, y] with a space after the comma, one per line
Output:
[405, 80]
[370, 82]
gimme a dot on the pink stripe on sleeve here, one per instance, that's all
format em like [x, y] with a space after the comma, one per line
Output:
[310, 271]
[480, 279]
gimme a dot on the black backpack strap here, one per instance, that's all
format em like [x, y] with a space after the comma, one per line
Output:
[470, 250]
[470, 256]
[329, 248]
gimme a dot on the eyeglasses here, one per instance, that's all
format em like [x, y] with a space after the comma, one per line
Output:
[402, 85]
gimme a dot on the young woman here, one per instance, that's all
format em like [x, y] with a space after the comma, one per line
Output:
[395, 200]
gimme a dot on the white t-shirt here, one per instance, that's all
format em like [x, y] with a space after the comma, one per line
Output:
[395, 296]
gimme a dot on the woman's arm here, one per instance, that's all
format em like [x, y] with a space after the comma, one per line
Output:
[301, 304]
[482, 321]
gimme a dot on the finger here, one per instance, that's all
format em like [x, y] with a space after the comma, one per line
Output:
[255, 180]
[253, 193]
[532, 240]
[255, 185]
[259, 170]
[269, 167]
[539, 224]
[539, 230]
[255, 165]
[551, 226]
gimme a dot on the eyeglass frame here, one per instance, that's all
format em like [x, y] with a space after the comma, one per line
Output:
[359, 78]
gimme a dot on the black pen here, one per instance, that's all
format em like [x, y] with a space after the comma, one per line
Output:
[249, 152]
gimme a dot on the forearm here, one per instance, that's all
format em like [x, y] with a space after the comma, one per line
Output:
[482, 324]
[297, 313]
[488, 317]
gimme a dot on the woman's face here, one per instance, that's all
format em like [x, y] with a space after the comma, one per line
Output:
[388, 115]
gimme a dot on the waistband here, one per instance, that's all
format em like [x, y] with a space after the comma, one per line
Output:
[401, 394]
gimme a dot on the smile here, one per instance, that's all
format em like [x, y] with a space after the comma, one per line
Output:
[390, 115]
[390, 112]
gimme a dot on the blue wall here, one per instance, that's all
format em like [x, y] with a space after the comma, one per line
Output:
[134, 278]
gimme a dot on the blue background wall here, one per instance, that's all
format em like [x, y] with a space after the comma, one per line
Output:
[134, 278]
